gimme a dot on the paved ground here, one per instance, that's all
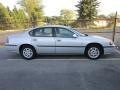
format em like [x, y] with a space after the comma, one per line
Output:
[59, 72]
[59, 75]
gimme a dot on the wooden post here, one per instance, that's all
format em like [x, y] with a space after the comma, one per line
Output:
[114, 28]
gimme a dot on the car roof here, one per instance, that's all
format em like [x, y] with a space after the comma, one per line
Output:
[54, 26]
[68, 27]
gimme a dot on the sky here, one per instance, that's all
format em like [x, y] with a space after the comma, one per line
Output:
[53, 7]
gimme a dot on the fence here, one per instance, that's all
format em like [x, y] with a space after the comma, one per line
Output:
[81, 24]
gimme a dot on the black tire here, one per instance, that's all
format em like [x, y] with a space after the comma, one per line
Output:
[32, 51]
[98, 48]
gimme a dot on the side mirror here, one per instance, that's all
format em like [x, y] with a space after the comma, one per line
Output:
[75, 36]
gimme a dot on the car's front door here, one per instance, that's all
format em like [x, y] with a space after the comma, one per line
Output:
[43, 40]
[66, 43]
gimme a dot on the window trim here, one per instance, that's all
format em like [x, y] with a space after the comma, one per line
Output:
[42, 29]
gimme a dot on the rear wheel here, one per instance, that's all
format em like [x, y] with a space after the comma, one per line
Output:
[27, 52]
[94, 52]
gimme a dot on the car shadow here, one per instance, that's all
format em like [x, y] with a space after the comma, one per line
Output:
[60, 57]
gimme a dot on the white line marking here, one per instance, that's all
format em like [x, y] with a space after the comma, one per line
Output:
[108, 59]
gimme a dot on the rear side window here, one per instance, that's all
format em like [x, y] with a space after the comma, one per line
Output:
[41, 32]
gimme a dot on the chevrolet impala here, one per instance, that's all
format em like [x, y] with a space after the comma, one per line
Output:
[58, 40]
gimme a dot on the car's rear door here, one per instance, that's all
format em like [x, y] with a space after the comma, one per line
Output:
[43, 40]
[66, 43]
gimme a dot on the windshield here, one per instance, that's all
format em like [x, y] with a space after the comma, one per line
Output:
[81, 34]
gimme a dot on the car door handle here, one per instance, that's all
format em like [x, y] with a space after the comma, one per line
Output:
[58, 40]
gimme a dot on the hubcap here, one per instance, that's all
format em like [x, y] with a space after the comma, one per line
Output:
[27, 52]
[93, 52]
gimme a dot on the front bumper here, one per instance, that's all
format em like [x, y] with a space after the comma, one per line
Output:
[109, 49]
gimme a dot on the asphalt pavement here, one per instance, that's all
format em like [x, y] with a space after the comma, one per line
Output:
[59, 72]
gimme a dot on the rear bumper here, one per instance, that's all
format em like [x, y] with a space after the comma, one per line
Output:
[109, 49]
[12, 48]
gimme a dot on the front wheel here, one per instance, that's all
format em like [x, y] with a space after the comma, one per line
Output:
[28, 52]
[94, 52]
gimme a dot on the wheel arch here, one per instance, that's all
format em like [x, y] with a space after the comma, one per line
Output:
[27, 45]
[96, 44]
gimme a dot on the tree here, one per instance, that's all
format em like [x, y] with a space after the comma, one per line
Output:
[102, 16]
[111, 18]
[33, 8]
[19, 17]
[87, 9]
[55, 20]
[67, 16]
[18, 14]
[4, 17]
[9, 11]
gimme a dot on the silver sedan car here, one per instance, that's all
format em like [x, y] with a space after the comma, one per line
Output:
[58, 40]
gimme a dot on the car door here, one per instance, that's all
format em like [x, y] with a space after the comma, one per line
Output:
[43, 39]
[66, 43]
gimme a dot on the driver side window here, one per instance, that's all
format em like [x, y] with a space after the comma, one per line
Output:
[64, 33]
